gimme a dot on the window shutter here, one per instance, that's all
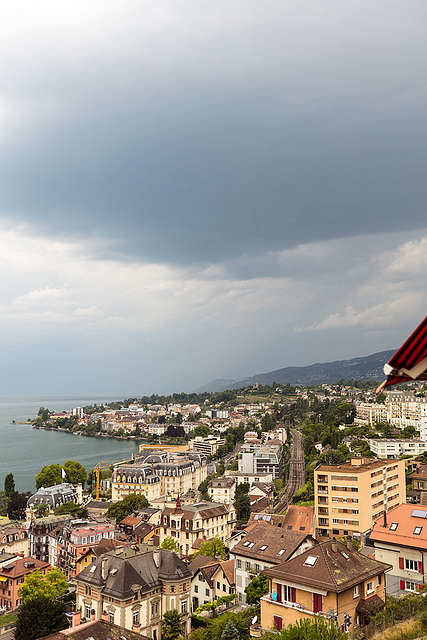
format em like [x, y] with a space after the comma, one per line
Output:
[293, 594]
[401, 565]
[420, 566]
[402, 585]
[420, 586]
[379, 579]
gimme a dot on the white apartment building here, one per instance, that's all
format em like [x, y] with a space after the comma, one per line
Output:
[389, 448]
[401, 409]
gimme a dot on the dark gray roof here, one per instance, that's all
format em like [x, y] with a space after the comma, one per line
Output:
[131, 567]
[279, 543]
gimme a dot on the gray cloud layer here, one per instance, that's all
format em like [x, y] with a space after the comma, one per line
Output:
[210, 185]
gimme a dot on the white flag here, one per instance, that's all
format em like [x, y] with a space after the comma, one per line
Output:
[63, 473]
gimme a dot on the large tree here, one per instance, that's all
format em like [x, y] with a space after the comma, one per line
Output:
[39, 617]
[257, 587]
[49, 476]
[230, 632]
[75, 472]
[171, 544]
[171, 625]
[119, 510]
[17, 505]
[36, 583]
[9, 485]
[212, 548]
[242, 502]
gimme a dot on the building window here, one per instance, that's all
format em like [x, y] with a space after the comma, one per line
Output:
[135, 617]
[207, 592]
[370, 587]
[411, 565]
[184, 606]
[218, 586]
[278, 623]
[154, 609]
[239, 564]
[356, 591]
[111, 617]
[87, 612]
[196, 588]
[410, 586]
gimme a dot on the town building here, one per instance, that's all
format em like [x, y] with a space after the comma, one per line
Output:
[395, 448]
[262, 547]
[13, 538]
[12, 576]
[250, 478]
[401, 541]
[209, 446]
[419, 479]
[222, 489]
[38, 535]
[261, 458]
[99, 629]
[160, 474]
[134, 587]
[350, 497]
[330, 579]
[71, 540]
[261, 496]
[212, 579]
[54, 496]
[200, 521]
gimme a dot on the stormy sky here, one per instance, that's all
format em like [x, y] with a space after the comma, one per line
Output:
[196, 190]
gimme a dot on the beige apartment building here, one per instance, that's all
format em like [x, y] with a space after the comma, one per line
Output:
[350, 497]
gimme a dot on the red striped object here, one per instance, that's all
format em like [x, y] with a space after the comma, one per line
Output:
[410, 361]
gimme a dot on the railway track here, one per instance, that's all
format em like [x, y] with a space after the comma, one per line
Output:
[296, 475]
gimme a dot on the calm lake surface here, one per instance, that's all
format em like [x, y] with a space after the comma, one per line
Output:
[24, 450]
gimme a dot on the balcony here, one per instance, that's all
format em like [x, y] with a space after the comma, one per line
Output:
[286, 604]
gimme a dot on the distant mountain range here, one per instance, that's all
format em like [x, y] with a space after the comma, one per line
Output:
[363, 368]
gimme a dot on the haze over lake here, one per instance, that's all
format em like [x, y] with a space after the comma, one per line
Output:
[24, 450]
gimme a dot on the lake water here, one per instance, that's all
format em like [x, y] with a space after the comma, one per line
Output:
[24, 450]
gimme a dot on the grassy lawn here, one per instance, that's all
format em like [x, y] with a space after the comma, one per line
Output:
[7, 619]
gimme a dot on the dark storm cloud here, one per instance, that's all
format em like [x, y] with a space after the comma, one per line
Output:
[252, 128]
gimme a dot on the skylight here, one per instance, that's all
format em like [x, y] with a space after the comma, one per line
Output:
[417, 513]
[311, 560]
[251, 544]
[346, 556]
[417, 531]
[247, 544]
[113, 572]
[393, 526]
[281, 552]
[93, 569]
[263, 548]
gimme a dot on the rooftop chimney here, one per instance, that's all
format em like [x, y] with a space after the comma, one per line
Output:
[349, 543]
[385, 518]
[334, 545]
[75, 618]
[156, 557]
[104, 567]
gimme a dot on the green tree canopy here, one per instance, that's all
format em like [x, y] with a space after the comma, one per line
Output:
[69, 507]
[49, 585]
[171, 625]
[38, 617]
[49, 476]
[242, 502]
[74, 472]
[171, 544]
[212, 548]
[230, 632]
[257, 587]
[41, 510]
[119, 510]
[17, 505]
[9, 485]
